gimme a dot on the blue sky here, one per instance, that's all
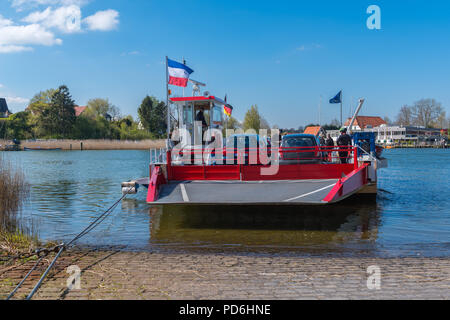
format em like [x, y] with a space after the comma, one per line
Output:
[280, 55]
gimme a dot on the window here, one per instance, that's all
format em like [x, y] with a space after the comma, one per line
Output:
[298, 142]
[187, 115]
[217, 114]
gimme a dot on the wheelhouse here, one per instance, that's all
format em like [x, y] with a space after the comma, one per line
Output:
[189, 108]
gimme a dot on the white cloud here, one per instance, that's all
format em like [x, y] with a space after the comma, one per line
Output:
[66, 19]
[1, 85]
[18, 38]
[41, 25]
[5, 22]
[13, 48]
[17, 100]
[21, 5]
[103, 20]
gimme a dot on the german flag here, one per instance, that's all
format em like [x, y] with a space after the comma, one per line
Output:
[228, 109]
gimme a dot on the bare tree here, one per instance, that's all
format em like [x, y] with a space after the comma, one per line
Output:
[404, 117]
[387, 120]
[441, 121]
[426, 112]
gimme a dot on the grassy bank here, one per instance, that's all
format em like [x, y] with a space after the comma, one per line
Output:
[14, 189]
[100, 144]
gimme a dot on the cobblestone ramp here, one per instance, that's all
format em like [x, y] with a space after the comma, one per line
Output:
[143, 275]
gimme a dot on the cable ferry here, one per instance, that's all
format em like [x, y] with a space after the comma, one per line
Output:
[203, 166]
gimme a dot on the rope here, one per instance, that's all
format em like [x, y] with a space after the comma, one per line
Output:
[60, 248]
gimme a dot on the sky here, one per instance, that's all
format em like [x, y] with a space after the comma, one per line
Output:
[283, 56]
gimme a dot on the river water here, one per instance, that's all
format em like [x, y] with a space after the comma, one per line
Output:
[410, 216]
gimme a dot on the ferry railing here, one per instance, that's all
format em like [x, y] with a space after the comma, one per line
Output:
[158, 155]
[253, 156]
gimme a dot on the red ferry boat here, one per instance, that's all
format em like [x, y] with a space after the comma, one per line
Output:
[190, 173]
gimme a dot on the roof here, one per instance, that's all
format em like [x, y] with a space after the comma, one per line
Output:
[290, 135]
[364, 121]
[197, 98]
[312, 130]
[79, 110]
[3, 105]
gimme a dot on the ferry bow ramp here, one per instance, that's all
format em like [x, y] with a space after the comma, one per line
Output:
[246, 192]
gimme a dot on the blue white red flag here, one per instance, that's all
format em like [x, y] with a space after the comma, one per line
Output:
[178, 73]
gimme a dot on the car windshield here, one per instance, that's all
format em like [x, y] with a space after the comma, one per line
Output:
[242, 141]
[298, 142]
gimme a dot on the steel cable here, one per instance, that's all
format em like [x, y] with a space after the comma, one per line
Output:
[63, 246]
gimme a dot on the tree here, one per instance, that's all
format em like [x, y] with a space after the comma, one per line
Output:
[232, 123]
[252, 119]
[426, 112]
[404, 117]
[387, 120]
[264, 123]
[40, 101]
[59, 118]
[152, 114]
[18, 126]
[101, 108]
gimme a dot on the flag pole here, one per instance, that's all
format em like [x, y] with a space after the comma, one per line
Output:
[320, 106]
[342, 95]
[167, 98]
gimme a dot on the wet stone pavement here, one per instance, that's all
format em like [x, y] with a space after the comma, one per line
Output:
[171, 276]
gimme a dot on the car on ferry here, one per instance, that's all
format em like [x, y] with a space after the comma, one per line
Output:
[247, 146]
[300, 148]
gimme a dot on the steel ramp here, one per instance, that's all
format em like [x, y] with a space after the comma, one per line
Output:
[246, 192]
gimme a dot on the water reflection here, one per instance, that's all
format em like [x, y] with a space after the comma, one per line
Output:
[348, 227]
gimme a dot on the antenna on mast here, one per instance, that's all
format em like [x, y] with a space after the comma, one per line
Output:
[196, 86]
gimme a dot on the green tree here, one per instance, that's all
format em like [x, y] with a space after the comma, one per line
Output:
[100, 108]
[40, 101]
[59, 118]
[152, 114]
[252, 119]
[17, 126]
[232, 123]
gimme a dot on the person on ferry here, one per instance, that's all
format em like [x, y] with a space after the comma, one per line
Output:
[322, 139]
[344, 140]
[201, 117]
[329, 142]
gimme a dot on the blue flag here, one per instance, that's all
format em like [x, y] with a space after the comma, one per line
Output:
[337, 98]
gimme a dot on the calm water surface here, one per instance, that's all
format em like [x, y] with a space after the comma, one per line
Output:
[411, 217]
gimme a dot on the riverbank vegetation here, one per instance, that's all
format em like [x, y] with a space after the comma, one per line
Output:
[53, 114]
[14, 189]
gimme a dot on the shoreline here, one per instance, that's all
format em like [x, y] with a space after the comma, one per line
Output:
[97, 144]
[111, 274]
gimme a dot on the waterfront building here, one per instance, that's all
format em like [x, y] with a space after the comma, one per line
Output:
[395, 134]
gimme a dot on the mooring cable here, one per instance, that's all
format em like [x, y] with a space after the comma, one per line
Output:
[26, 277]
[63, 246]
[36, 287]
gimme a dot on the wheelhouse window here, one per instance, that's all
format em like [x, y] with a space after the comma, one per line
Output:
[187, 114]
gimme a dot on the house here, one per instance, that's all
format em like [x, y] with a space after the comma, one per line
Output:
[4, 111]
[79, 110]
[365, 122]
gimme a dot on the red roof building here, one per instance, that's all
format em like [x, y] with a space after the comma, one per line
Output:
[365, 122]
[79, 110]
